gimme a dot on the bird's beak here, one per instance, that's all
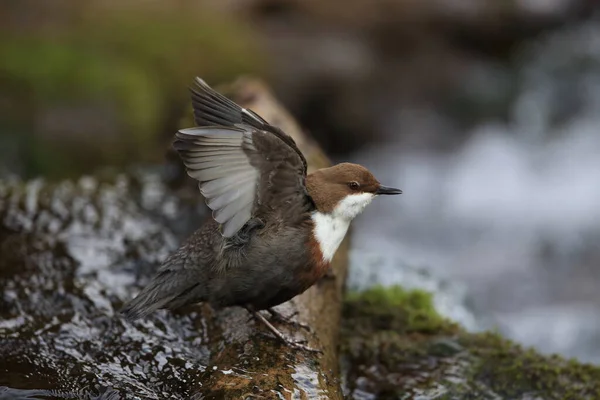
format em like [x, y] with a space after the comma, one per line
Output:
[388, 190]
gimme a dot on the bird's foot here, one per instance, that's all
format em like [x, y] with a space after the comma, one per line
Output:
[300, 345]
[294, 344]
[329, 274]
[277, 316]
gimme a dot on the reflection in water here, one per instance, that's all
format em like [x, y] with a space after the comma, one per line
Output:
[514, 213]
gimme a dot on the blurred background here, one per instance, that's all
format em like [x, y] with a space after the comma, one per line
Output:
[486, 114]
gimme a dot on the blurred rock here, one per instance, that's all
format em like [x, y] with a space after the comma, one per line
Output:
[347, 67]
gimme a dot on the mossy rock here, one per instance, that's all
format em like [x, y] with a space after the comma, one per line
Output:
[109, 86]
[395, 345]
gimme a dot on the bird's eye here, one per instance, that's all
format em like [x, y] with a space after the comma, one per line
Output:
[354, 185]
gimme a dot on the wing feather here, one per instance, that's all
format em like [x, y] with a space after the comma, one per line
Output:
[220, 134]
[224, 214]
[209, 152]
[225, 176]
[243, 165]
[222, 199]
[200, 164]
[212, 108]
[237, 222]
[220, 186]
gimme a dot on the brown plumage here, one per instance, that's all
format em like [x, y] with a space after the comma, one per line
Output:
[274, 229]
[328, 185]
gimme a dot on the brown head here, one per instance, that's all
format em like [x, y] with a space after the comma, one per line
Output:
[350, 186]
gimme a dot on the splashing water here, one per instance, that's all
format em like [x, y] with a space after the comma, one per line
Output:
[514, 214]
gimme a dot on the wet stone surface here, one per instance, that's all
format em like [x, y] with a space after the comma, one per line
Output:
[70, 255]
[396, 346]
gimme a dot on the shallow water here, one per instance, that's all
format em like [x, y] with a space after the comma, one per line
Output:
[513, 214]
[70, 255]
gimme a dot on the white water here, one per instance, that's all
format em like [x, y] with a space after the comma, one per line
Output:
[515, 213]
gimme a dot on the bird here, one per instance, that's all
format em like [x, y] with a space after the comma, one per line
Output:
[274, 228]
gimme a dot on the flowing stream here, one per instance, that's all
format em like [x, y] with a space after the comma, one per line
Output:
[513, 216]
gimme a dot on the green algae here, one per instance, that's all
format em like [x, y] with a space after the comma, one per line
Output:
[395, 345]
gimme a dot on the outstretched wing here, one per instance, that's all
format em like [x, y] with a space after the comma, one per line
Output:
[244, 166]
[211, 108]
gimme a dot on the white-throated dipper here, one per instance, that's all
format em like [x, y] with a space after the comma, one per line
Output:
[274, 229]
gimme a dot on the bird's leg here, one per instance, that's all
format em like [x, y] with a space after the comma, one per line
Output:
[329, 274]
[279, 335]
[277, 316]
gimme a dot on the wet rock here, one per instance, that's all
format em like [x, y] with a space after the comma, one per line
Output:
[395, 345]
[71, 253]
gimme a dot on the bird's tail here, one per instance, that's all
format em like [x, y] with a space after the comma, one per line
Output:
[170, 288]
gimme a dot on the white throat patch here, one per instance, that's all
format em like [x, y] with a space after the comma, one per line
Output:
[330, 228]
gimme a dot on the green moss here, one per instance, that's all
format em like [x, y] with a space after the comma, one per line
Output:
[124, 69]
[396, 309]
[162, 45]
[510, 369]
[396, 344]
